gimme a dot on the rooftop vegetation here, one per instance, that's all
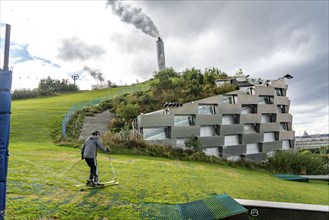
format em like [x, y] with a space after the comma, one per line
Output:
[37, 188]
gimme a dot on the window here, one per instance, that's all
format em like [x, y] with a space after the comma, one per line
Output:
[248, 109]
[265, 100]
[206, 131]
[285, 144]
[230, 140]
[282, 109]
[250, 128]
[211, 151]
[230, 99]
[268, 118]
[248, 90]
[230, 119]
[252, 148]
[284, 126]
[269, 137]
[207, 109]
[278, 92]
[184, 120]
[155, 133]
[180, 142]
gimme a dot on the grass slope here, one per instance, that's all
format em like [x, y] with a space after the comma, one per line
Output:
[37, 189]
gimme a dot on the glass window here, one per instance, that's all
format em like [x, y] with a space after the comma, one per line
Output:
[252, 148]
[154, 133]
[250, 128]
[268, 118]
[278, 92]
[265, 100]
[247, 90]
[230, 119]
[285, 144]
[269, 137]
[206, 109]
[183, 120]
[282, 109]
[229, 99]
[231, 140]
[180, 142]
[206, 131]
[248, 109]
[211, 151]
[284, 126]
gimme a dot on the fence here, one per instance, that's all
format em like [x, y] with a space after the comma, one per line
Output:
[87, 104]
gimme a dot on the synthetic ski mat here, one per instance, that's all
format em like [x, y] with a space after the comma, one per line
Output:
[290, 177]
[211, 208]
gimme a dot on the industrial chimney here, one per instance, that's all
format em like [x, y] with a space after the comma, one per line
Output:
[160, 54]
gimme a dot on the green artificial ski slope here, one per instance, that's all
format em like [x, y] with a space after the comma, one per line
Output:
[38, 189]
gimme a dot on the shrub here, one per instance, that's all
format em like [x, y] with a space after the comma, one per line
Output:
[25, 94]
[295, 162]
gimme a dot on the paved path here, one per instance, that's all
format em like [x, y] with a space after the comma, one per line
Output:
[98, 122]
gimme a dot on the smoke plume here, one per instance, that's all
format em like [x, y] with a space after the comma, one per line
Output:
[75, 49]
[134, 16]
[95, 74]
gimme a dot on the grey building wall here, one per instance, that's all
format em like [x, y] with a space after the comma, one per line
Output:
[239, 124]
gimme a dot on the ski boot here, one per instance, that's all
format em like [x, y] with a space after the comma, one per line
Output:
[95, 182]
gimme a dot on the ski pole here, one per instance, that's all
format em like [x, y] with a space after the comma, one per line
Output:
[115, 176]
[70, 167]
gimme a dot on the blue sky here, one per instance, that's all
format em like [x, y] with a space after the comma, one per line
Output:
[266, 39]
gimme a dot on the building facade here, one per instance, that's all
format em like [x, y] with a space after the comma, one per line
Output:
[251, 122]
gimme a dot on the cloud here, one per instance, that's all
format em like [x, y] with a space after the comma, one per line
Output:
[266, 39]
[75, 49]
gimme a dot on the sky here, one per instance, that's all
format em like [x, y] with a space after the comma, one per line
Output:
[105, 40]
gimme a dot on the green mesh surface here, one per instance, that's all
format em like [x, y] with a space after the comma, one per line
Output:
[211, 208]
[291, 177]
[195, 210]
[214, 207]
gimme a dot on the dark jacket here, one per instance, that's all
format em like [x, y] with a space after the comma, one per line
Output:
[89, 148]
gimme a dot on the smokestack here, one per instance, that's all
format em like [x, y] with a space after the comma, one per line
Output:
[160, 54]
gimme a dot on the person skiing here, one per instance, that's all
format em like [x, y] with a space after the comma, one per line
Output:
[89, 154]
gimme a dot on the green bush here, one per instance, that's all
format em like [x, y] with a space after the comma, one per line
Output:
[25, 94]
[295, 162]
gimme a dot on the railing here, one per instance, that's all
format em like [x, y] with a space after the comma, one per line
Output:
[97, 101]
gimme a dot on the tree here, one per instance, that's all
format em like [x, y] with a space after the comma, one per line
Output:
[210, 76]
[239, 73]
[51, 86]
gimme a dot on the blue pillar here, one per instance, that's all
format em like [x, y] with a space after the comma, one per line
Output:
[5, 106]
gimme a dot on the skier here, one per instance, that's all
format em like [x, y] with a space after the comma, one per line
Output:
[89, 153]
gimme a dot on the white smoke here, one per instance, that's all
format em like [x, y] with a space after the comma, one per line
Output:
[134, 16]
[95, 74]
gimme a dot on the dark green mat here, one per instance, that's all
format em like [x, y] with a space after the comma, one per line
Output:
[290, 177]
[211, 208]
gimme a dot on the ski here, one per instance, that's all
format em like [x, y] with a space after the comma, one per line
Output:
[109, 182]
[97, 187]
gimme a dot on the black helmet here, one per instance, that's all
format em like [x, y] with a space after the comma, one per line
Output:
[95, 133]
